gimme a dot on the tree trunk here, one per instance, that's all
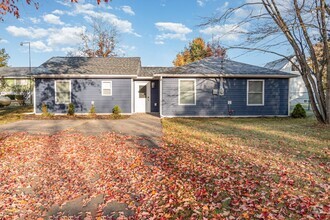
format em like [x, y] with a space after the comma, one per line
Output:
[327, 94]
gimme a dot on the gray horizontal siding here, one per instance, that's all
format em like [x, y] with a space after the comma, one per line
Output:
[83, 92]
[155, 97]
[207, 104]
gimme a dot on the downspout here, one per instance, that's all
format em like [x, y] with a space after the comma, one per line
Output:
[289, 97]
[161, 97]
[34, 97]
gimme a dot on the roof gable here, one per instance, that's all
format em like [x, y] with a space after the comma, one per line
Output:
[278, 64]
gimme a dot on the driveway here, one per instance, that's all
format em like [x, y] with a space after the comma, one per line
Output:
[115, 162]
[142, 125]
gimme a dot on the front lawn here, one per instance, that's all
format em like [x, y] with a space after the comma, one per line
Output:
[212, 168]
[252, 168]
[13, 113]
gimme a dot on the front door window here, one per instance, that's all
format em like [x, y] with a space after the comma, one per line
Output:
[142, 91]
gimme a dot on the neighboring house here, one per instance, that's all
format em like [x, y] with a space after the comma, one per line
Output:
[14, 80]
[207, 88]
[298, 90]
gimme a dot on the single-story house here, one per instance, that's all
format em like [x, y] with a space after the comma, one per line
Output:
[298, 90]
[212, 87]
[15, 80]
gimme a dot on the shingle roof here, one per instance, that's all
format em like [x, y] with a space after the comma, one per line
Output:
[217, 66]
[90, 66]
[278, 64]
[150, 71]
[15, 71]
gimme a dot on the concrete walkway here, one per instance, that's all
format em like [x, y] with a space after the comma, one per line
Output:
[143, 125]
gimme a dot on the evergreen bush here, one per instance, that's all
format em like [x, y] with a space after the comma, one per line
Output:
[298, 112]
[71, 109]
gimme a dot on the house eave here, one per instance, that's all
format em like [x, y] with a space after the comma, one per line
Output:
[75, 76]
[225, 75]
[15, 77]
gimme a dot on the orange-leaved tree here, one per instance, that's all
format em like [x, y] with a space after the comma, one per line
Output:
[197, 50]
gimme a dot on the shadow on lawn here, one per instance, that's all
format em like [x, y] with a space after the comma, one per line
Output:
[282, 138]
[209, 175]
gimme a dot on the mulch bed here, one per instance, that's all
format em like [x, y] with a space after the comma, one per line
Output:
[75, 117]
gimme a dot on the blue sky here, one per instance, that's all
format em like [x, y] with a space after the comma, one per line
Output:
[155, 30]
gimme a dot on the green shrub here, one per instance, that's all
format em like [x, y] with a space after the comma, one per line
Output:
[19, 97]
[71, 109]
[12, 97]
[298, 112]
[92, 110]
[44, 110]
[116, 110]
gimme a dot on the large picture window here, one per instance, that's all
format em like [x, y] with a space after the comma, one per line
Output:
[106, 88]
[187, 92]
[255, 92]
[62, 91]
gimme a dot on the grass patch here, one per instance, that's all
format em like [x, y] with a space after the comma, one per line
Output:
[13, 113]
[275, 161]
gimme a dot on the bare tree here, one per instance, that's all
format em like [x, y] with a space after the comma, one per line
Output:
[101, 42]
[299, 24]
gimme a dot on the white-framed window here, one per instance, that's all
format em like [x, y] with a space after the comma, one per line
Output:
[106, 88]
[187, 91]
[62, 91]
[255, 92]
[21, 82]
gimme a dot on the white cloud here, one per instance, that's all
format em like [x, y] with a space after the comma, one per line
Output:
[40, 46]
[35, 20]
[201, 3]
[227, 32]
[123, 26]
[65, 3]
[84, 8]
[58, 12]
[224, 7]
[27, 32]
[65, 36]
[159, 42]
[72, 51]
[171, 30]
[3, 41]
[127, 47]
[173, 27]
[55, 38]
[128, 10]
[88, 19]
[52, 19]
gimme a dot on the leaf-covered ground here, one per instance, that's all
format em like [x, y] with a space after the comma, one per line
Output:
[13, 113]
[205, 168]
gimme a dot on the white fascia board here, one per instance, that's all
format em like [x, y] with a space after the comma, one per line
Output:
[64, 76]
[224, 75]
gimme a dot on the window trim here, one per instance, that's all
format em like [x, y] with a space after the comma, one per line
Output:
[108, 81]
[20, 80]
[179, 95]
[58, 103]
[263, 92]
